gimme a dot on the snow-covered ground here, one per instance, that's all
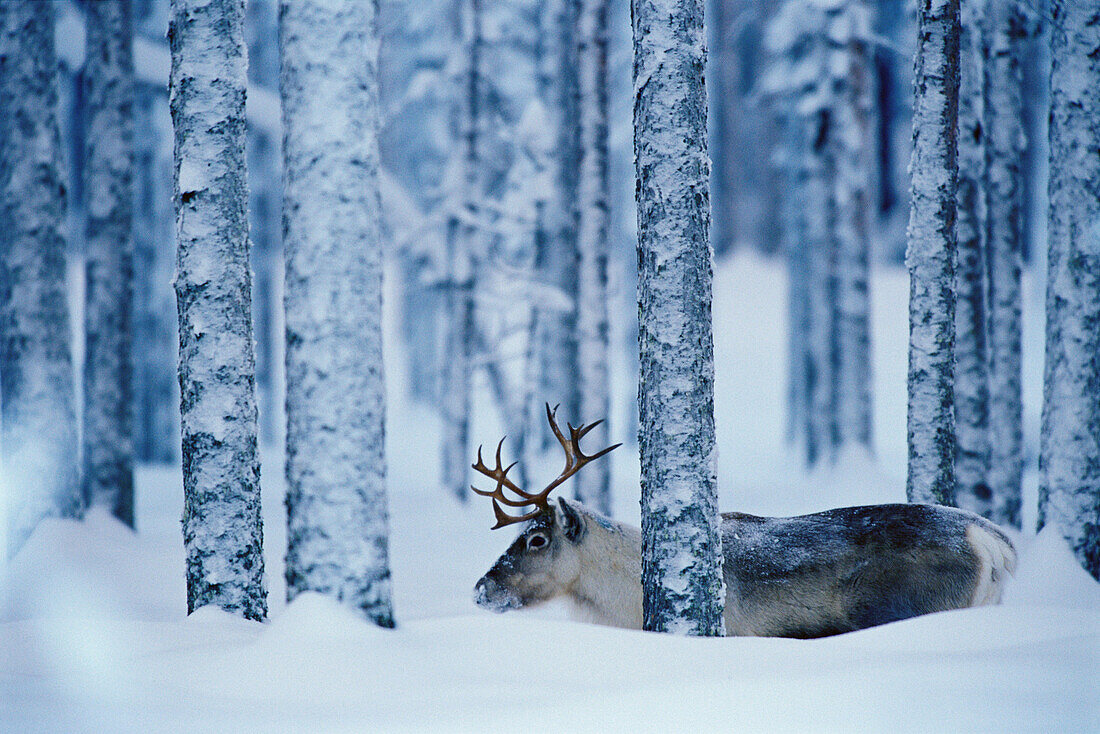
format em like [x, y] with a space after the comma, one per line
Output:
[94, 636]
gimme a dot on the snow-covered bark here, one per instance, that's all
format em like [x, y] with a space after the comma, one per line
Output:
[1003, 120]
[682, 587]
[930, 256]
[462, 231]
[108, 190]
[594, 226]
[38, 463]
[337, 517]
[851, 204]
[971, 353]
[557, 263]
[1069, 461]
[222, 526]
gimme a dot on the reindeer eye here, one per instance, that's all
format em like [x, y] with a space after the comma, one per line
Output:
[537, 541]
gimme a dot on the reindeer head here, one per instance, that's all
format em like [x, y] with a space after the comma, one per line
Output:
[542, 562]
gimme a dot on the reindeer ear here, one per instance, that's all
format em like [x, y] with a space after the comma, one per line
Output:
[572, 522]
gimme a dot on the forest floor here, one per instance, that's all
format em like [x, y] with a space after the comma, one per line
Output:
[94, 635]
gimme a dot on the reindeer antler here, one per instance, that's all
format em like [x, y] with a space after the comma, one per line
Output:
[574, 460]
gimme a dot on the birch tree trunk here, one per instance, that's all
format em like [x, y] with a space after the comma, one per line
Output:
[558, 265]
[971, 351]
[930, 256]
[682, 585]
[1004, 159]
[222, 525]
[592, 243]
[462, 229]
[337, 518]
[108, 188]
[38, 464]
[852, 204]
[1069, 461]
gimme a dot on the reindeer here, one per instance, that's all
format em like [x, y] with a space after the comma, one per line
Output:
[808, 576]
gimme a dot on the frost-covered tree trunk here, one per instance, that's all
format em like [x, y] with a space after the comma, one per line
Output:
[38, 463]
[852, 206]
[1004, 161]
[558, 265]
[1069, 460]
[971, 352]
[108, 190]
[462, 230]
[682, 587]
[721, 78]
[930, 256]
[222, 525]
[337, 519]
[592, 243]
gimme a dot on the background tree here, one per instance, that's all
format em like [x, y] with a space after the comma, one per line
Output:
[37, 423]
[593, 244]
[222, 526]
[1069, 461]
[971, 311]
[931, 256]
[338, 528]
[682, 587]
[108, 189]
[1003, 123]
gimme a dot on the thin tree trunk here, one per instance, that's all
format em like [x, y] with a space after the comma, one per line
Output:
[222, 525]
[1069, 461]
[39, 473]
[931, 256]
[851, 192]
[1004, 158]
[592, 244]
[108, 188]
[462, 231]
[337, 518]
[971, 351]
[682, 585]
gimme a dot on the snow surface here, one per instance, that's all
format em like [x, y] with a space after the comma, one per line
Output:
[94, 637]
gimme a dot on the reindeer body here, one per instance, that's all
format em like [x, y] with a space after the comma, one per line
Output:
[806, 576]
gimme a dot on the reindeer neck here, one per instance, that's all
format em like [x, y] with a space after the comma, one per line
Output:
[610, 591]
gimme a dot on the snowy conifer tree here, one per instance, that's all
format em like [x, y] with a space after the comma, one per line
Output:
[682, 587]
[222, 526]
[592, 244]
[971, 353]
[108, 188]
[1069, 461]
[38, 464]
[1003, 124]
[930, 256]
[338, 526]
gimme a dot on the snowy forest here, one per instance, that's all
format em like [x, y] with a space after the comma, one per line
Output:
[806, 292]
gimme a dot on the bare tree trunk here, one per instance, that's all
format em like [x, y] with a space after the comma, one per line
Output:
[1069, 460]
[971, 350]
[108, 188]
[222, 525]
[592, 243]
[1004, 158]
[337, 517]
[682, 584]
[39, 474]
[462, 231]
[931, 256]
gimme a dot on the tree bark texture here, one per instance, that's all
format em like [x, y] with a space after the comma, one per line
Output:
[222, 525]
[1069, 460]
[930, 256]
[337, 517]
[39, 476]
[682, 584]
[109, 194]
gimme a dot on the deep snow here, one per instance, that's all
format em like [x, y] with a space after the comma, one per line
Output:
[94, 637]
